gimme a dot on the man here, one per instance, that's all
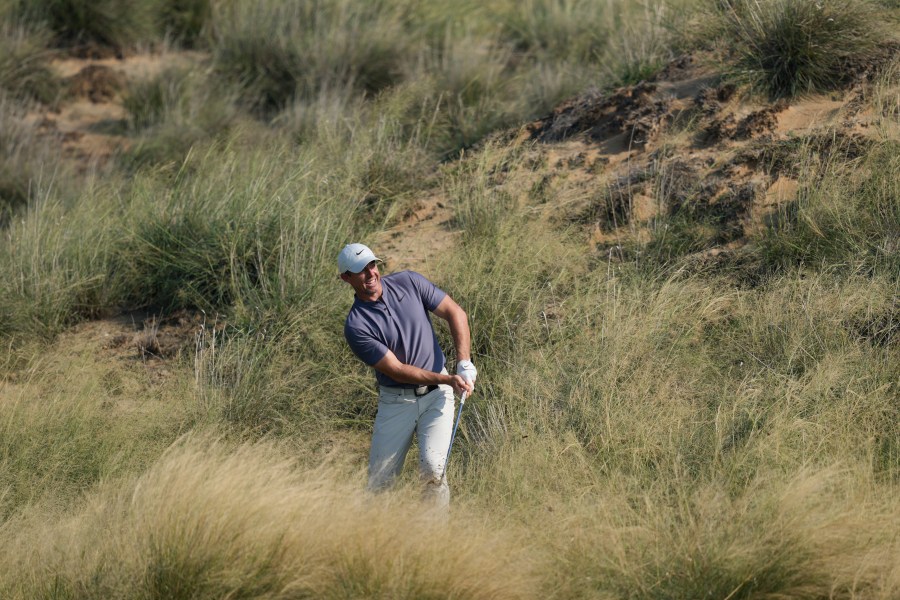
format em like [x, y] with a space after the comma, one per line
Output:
[389, 329]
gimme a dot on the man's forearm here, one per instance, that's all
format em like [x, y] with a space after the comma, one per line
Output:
[462, 343]
[411, 374]
[459, 331]
[403, 373]
[458, 322]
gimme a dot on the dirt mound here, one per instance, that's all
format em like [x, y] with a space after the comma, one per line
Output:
[686, 144]
[723, 125]
[634, 110]
[152, 336]
[91, 121]
[865, 70]
[98, 83]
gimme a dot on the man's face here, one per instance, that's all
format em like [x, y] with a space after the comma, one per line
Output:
[366, 283]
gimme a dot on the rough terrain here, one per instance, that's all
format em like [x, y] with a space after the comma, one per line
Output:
[604, 163]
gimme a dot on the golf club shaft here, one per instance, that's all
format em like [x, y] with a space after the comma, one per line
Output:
[462, 402]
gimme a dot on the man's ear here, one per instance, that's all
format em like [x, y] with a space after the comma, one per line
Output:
[345, 277]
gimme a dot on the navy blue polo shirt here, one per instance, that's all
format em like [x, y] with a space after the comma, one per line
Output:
[399, 322]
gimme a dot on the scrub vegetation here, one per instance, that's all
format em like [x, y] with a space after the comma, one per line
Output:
[687, 404]
[786, 47]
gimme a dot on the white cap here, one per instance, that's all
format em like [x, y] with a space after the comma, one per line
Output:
[354, 258]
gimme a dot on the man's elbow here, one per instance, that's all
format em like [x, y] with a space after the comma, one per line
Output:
[452, 312]
[459, 316]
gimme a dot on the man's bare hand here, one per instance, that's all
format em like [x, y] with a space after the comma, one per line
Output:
[461, 384]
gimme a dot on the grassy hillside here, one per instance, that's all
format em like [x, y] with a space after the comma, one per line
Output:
[684, 307]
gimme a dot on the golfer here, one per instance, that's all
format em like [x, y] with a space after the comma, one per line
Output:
[389, 329]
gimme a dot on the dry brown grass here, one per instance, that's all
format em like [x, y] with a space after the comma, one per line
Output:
[211, 521]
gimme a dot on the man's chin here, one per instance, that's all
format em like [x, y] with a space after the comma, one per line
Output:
[368, 294]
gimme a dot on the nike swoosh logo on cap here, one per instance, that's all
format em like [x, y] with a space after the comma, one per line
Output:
[360, 252]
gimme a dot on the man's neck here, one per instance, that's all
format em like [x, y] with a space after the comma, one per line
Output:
[372, 298]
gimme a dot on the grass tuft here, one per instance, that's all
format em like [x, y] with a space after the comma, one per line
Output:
[790, 47]
[24, 58]
[186, 21]
[276, 50]
[118, 24]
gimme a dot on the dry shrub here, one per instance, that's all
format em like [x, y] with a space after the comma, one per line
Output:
[817, 534]
[208, 521]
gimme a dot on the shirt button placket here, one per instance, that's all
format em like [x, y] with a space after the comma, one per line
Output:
[390, 314]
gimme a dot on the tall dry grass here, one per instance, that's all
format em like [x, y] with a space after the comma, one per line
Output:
[24, 59]
[209, 520]
[70, 421]
[642, 428]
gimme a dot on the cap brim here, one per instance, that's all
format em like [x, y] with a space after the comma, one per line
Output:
[361, 264]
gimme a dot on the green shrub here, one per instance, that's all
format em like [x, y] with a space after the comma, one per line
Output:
[277, 50]
[473, 92]
[28, 163]
[53, 278]
[186, 20]
[382, 143]
[238, 225]
[148, 100]
[116, 23]
[193, 261]
[787, 47]
[641, 40]
[191, 249]
[173, 112]
[574, 30]
[24, 58]
[16, 167]
[675, 237]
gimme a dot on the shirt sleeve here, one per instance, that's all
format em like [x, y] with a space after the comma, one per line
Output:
[430, 294]
[364, 345]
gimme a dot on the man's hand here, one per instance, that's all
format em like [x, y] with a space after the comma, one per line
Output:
[467, 371]
[461, 384]
[391, 366]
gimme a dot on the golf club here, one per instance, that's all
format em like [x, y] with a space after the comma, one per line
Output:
[462, 402]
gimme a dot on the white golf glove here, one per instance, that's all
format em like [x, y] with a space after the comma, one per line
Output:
[467, 371]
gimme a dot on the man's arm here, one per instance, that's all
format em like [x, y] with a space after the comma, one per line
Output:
[391, 366]
[458, 321]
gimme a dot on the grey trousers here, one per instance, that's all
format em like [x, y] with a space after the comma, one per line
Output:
[399, 416]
